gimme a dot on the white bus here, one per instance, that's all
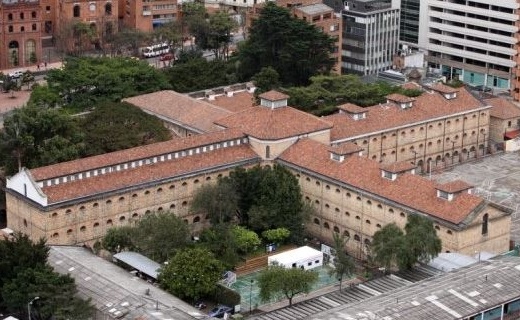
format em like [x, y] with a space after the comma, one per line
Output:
[156, 50]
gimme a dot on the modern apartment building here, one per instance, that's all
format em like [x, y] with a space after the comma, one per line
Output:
[473, 41]
[370, 36]
[409, 24]
[20, 36]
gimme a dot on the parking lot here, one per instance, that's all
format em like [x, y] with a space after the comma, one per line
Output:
[496, 178]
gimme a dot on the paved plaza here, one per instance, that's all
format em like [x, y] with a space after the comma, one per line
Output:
[496, 178]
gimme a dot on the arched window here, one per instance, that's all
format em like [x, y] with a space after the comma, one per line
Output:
[357, 238]
[10, 29]
[336, 229]
[346, 234]
[485, 219]
[316, 221]
[196, 219]
[69, 232]
[54, 214]
[33, 14]
[83, 229]
[135, 215]
[96, 224]
[122, 218]
[122, 199]
[326, 225]
[172, 206]
[10, 17]
[109, 222]
[22, 16]
[76, 11]
[108, 9]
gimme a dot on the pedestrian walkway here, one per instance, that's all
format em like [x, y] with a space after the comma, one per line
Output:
[34, 68]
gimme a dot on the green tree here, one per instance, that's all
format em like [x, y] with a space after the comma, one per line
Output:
[57, 295]
[218, 201]
[191, 273]
[276, 281]
[388, 246]
[218, 36]
[278, 235]
[27, 79]
[126, 42]
[192, 72]
[246, 240]
[266, 79]
[42, 96]
[296, 49]
[421, 240]
[113, 126]
[343, 263]
[18, 255]
[160, 235]
[220, 241]
[84, 82]
[34, 137]
[118, 239]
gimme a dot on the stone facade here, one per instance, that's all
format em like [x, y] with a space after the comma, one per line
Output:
[146, 15]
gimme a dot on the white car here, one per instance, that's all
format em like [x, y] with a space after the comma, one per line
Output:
[15, 74]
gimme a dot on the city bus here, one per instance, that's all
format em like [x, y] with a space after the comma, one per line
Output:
[156, 50]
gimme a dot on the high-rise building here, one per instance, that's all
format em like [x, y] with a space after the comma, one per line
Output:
[370, 36]
[473, 41]
[409, 24]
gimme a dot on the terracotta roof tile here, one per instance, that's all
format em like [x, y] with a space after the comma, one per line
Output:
[454, 186]
[427, 106]
[238, 102]
[148, 173]
[399, 98]
[345, 148]
[172, 105]
[351, 108]
[398, 167]
[503, 109]
[408, 190]
[273, 95]
[271, 124]
[442, 88]
[412, 86]
[113, 158]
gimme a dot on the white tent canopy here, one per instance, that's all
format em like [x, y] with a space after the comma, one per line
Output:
[302, 257]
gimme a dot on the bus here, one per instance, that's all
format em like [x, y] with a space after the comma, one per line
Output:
[156, 50]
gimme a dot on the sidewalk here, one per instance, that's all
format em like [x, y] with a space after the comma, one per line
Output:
[34, 69]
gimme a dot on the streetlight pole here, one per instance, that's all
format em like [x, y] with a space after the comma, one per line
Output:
[414, 156]
[250, 294]
[29, 306]
[452, 150]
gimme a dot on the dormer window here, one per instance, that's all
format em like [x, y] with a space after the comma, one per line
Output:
[273, 99]
[402, 101]
[354, 111]
[450, 96]
[445, 195]
[388, 175]
[340, 152]
[447, 92]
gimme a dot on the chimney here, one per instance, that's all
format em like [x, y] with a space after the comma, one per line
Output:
[228, 91]
[250, 87]
[210, 94]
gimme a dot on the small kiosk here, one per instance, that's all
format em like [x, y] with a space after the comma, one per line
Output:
[302, 257]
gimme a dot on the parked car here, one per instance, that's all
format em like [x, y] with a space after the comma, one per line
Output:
[15, 74]
[220, 310]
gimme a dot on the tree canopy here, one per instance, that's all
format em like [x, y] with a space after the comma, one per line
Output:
[24, 274]
[218, 201]
[391, 246]
[343, 263]
[113, 126]
[35, 136]
[191, 273]
[295, 48]
[85, 81]
[276, 281]
[157, 236]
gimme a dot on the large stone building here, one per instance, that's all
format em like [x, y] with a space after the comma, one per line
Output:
[441, 127]
[77, 201]
[147, 15]
[20, 37]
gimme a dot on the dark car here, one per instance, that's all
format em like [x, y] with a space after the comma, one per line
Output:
[220, 310]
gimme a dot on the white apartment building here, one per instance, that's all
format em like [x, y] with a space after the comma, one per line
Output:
[472, 40]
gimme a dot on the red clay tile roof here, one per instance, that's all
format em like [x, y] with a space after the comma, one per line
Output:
[398, 167]
[272, 124]
[351, 108]
[238, 102]
[442, 88]
[396, 97]
[345, 148]
[180, 108]
[387, 116]
[411, 86]
[454, 186]
[273, 95]
[113, 158]
[148, 173]
[503, 109]
[408, 190]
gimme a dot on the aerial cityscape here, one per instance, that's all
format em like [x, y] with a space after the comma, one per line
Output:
[266, 160]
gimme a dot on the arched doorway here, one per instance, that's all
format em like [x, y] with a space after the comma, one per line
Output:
[30, 51]
[420, 167]
[14, 49]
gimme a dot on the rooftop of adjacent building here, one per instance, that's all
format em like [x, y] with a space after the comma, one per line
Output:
[115, 291]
